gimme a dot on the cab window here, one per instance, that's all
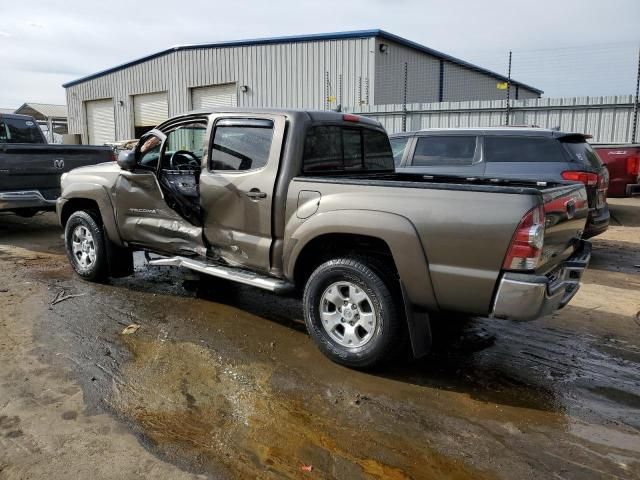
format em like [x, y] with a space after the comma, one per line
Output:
[346, 149]
[241, 144]
[20, 130]
[185, 147]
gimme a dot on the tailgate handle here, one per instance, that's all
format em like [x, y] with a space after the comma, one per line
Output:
[571, 208]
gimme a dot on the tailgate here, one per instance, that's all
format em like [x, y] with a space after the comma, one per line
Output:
[39, 166]
[25, 167]
[566, 209]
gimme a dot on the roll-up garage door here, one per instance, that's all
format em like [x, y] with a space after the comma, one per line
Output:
[101, 126]
[149, 110]
[214, 96]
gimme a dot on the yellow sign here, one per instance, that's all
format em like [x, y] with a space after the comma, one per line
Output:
[331, 99]
[502, 86]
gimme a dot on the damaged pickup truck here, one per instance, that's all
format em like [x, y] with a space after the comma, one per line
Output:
[309, 202]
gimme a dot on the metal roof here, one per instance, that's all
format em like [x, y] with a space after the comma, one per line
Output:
[6, 110]
[305, 38]
[43, 111]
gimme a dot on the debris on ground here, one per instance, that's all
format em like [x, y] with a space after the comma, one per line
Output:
[133, 328]
[360, 399]
[4, 290]
[306, 468]
[61, 297]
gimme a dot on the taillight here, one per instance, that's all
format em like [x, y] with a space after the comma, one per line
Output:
[114, 157]
[603, 180]
[588, 178]
[633, 165]
[347, 117]
[527, 242]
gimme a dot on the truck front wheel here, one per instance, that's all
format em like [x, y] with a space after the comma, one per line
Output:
[85, 245]
[352, 314]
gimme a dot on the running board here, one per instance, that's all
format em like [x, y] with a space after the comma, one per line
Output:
[234, 274]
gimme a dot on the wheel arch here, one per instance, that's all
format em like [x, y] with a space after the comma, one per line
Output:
[386, 233]
[89, 196]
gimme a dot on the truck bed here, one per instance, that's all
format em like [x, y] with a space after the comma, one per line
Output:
[489, 211]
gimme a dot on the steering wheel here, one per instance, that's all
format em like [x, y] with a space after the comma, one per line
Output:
[193, 162]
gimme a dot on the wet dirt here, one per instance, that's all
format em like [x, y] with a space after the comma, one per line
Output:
[222, 381]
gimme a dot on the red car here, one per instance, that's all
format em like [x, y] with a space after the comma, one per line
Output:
[623, 163]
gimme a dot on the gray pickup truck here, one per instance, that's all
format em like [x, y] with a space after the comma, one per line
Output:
[306, 201]
[30, 168]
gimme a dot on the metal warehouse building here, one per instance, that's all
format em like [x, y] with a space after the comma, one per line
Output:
[319, 71]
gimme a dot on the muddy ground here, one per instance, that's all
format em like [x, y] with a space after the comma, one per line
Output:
[222, 381]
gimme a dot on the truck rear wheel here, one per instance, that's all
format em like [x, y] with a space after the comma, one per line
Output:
[85, 245]
[352, 314]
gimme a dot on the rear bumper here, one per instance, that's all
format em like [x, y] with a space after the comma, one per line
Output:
[633, 189]
[597, 222]
[529, 296]
[25, 199]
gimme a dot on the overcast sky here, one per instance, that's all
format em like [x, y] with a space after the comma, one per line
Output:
[565, 47]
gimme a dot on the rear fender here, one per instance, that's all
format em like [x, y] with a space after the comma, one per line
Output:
[408, 255]
[396, 231]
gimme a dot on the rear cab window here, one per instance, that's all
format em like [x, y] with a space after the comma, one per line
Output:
[442, 150]
[338, 149]
[522, 149]
[20, 130]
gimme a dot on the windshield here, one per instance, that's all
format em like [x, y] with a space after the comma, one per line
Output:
[20, 130]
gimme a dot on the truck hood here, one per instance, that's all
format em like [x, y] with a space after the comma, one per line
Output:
[105, 174]
[106, 167]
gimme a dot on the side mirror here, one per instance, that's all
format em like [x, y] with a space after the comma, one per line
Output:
[127, 160]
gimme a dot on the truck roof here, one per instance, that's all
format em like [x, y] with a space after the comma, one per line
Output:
[501, 131]
[315, 115]
[16, 116]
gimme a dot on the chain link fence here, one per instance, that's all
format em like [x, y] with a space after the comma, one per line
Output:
[591, 89]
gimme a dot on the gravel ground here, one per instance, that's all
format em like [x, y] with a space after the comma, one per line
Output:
[222, 381]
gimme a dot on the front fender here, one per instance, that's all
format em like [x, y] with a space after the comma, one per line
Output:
[396, 231]
[97, 193]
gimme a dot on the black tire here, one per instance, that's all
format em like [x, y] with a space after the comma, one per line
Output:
[388, 335]
[97, 270]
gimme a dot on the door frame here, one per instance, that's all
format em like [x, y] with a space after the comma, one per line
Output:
[270, 170]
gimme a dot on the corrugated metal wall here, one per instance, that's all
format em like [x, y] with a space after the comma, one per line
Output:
[608, 119]
[287, 75]
[424, 76]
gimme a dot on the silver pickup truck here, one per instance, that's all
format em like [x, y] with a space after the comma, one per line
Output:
[307, 201]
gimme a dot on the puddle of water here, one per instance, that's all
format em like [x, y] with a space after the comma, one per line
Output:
[192, 403]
